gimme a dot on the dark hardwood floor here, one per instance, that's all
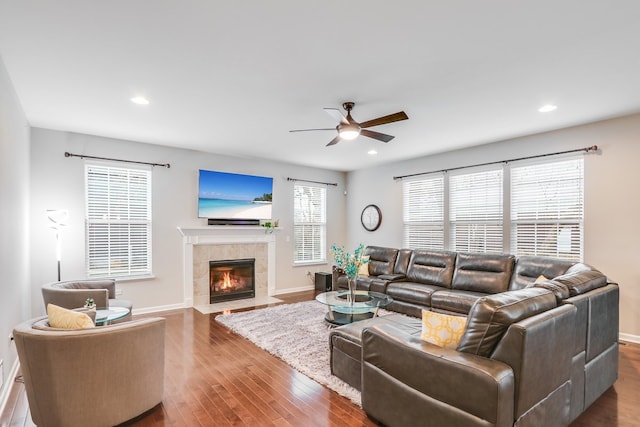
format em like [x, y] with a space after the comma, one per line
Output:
[216, 378]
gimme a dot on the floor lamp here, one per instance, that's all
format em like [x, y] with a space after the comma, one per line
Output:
[58, 218]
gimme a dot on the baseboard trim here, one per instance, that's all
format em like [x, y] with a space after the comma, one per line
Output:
[294, 290]
[629, 338]
[8, 386]
[158, 309]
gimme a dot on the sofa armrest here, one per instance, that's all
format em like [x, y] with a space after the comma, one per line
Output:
[405, 378]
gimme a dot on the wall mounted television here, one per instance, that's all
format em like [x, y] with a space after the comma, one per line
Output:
[231, 198]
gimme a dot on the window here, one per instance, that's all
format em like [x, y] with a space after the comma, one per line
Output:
[547, 209]
[543, 207]
[475, 212]
[309, 224]
[118, 221]
[423, 213]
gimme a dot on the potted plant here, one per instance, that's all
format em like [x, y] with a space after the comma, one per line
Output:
[350, 263]
[270, 226]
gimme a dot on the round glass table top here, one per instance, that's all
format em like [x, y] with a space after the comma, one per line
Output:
[106, 315]
[365, 301]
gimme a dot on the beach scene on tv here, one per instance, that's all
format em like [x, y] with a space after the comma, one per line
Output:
[237, 196]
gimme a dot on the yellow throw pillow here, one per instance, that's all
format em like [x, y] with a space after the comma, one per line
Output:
[541, 279]
[442, 330]
[364, 268]
[62, 318]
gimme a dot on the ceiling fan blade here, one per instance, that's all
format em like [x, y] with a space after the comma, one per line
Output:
[336, 114]
[334, 141]
[396, 117]
[376, 135]
[309, 130]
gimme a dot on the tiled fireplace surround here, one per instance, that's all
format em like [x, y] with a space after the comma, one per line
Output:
[212, 243]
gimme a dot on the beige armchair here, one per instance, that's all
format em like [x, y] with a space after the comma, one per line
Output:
[74, 294]
[101, 376]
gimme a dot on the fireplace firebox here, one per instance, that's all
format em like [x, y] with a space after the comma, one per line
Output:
[231, 279]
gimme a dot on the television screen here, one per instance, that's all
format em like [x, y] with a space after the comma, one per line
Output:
[223, 195]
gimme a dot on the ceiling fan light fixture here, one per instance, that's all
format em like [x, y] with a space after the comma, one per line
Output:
[348, 131]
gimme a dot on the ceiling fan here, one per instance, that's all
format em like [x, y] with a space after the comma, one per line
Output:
[349, 129]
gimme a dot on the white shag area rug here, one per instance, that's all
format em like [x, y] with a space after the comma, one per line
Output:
[296, 333]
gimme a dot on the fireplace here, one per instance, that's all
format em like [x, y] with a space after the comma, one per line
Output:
[231, 279]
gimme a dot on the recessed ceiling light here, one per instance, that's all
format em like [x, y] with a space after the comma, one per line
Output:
[372, 152]
[140, 100]
[547, 108]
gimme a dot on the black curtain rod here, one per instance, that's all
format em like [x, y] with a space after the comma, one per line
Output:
[314, 182]
[82, 156]
[577, 150]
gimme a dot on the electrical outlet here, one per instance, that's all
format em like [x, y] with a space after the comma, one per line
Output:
[309, 273]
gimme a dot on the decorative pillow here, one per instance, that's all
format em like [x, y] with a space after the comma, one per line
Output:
[67, 319]
[442, 330]
[364, 268]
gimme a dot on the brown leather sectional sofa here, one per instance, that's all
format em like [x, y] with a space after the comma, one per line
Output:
[532, 353]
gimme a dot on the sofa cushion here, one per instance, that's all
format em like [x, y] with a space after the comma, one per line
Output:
[442, 330]
[431, 267]
[416, 293]
[529, 268]
[381, 260]
[455, 300]
[489, 273]
[370, 283]
[490, 317]
[581, 282]
[63, 318]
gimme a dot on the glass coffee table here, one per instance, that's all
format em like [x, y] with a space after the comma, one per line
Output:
[342, 311]
[104, 316]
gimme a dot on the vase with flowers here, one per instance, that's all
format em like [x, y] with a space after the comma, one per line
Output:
[350, 263]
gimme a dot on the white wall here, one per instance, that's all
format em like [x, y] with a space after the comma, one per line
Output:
[14, 228]
[58, 183]
[612, 198]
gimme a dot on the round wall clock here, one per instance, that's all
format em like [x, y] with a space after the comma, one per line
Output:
[371, 217]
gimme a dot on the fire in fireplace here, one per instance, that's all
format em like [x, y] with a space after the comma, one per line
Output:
[231, 279]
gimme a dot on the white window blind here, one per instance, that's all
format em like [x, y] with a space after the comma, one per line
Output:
[118, 221]
[423, 213]
[309, 224]
[547, 209]
[475, 212]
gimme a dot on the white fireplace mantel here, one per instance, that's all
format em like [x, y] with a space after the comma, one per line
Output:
[225, 235]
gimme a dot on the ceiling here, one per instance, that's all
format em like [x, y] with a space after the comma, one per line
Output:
[233, 77]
